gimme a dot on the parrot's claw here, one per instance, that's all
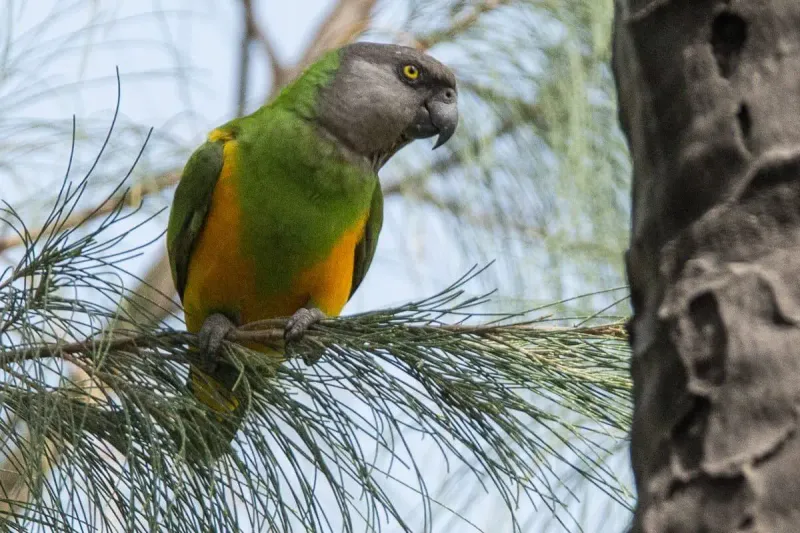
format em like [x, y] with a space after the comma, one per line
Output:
[210, 337]
[300, 321]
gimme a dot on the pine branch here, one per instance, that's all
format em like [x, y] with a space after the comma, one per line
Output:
[270, 331]
[481, 392]
[461, 385]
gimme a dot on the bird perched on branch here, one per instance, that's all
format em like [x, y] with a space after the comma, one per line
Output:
[278, 213]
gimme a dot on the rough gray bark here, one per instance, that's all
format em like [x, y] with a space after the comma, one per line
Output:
[710, 102]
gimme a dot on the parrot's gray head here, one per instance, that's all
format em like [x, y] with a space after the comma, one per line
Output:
[385, 96]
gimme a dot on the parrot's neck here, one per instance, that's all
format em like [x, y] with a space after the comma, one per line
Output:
[380, 159]
[368, 163]
[301, 95]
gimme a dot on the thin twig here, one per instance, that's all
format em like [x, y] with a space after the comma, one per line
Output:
[244, 58]
[132, 198]
[253, 32]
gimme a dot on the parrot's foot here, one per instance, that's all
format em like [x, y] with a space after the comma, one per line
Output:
[301, 320]
[210, 337]
[299, 323]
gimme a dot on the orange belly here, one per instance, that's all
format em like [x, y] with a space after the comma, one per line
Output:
[221, 279]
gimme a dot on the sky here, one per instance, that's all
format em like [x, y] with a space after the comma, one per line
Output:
[139, 43]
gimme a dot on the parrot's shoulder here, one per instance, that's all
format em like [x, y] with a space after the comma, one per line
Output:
[226, 132]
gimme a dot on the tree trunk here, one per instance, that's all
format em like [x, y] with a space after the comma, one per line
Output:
[709, 97]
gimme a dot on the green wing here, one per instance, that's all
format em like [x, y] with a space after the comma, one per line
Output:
[190, 206]
[365, 249]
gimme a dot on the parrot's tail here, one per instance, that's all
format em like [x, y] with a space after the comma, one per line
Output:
[225, 394]
[216, 394]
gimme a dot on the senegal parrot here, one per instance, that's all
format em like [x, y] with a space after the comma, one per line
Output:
[278, 213]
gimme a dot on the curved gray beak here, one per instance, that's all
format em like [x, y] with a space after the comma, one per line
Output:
[443, 108]
[439, 116]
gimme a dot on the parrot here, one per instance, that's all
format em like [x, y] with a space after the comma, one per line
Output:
[277, 213]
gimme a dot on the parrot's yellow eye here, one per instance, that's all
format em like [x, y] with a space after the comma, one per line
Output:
[411, 72]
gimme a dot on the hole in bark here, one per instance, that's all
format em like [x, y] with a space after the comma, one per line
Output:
[708, 359]
[745, 122]
[728, 34]
[717, 502]
[688, 434]
[746, 523]
[774, 176]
